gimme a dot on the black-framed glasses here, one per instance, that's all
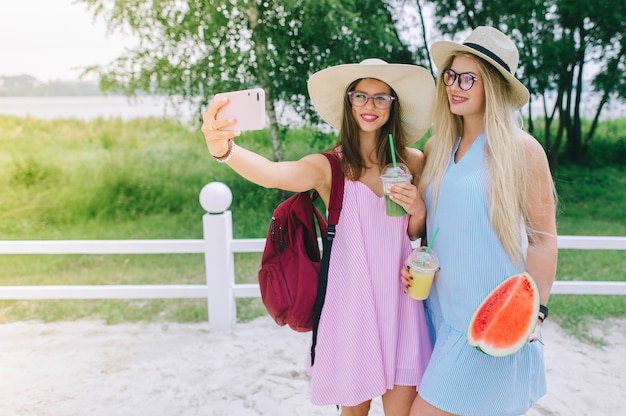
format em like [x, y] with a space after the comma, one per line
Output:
[466, 79]
[381, 101]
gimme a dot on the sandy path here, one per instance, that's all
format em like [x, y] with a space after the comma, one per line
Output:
[88, 368]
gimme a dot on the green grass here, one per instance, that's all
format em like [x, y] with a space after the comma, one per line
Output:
[111, 179]
[114, 179]
[591, 202]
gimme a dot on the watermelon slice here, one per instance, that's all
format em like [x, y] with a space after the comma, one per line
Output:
[503, 322]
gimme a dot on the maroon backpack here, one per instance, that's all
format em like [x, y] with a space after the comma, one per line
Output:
[293, 276]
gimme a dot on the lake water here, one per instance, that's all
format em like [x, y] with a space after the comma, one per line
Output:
[88, 108]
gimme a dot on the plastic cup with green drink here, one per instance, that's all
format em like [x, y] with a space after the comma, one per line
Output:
[394, 174]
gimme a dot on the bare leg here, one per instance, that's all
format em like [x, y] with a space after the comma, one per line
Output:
[397, 401]
[422, 408]
[358, 410]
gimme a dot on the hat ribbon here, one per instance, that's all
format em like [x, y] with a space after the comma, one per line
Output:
[489, 54]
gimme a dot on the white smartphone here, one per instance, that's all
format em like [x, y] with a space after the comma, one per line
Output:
[247, 107]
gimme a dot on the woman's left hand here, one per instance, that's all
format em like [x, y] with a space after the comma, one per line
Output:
[406, 195]
[535, 335]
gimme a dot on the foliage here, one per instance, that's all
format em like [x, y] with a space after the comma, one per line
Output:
[58, 181]
[608, 150]
[73, 173]
[561, 43]
[192, 50]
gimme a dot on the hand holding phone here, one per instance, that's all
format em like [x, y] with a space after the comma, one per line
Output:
[247, 107]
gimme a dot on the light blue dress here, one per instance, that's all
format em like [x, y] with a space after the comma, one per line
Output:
[459, 378]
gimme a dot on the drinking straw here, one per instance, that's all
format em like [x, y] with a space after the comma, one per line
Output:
[393, 155]
[430, 244]
[393, 152]
[432, 240]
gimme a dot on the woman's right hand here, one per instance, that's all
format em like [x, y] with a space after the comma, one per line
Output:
[217, 140]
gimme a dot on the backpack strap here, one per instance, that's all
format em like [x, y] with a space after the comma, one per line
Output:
[334, 210]
[336, 190]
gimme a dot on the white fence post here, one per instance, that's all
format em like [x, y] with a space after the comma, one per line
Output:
[215, 198]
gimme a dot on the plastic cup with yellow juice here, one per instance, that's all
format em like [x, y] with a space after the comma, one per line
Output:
[422, 268]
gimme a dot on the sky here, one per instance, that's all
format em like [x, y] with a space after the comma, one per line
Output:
[53, 39]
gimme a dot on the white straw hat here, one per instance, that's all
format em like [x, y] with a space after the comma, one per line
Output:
[494, 47]
[413, 85]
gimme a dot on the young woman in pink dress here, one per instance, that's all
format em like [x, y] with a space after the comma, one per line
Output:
[372, 339]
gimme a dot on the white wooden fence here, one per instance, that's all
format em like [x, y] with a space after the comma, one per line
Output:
[218, 247]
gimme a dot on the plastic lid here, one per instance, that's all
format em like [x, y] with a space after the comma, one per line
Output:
[401, 170]
[424, 260]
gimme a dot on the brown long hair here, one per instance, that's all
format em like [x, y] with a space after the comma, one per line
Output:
[348, 139]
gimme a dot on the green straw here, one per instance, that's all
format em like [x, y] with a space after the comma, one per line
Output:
[432, 240]
[393, 151]
[393, 155]
[430, 244]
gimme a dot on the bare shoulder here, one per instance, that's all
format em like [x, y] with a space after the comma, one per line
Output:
[536, 157]
[414, 154]
[317, 159]
[429, 145]
[320, 170]
[317, 164]
[415, 160]
[531, 145]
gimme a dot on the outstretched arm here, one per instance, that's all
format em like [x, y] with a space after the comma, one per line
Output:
[310, 172]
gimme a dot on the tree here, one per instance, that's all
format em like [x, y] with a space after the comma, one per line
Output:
[193, 49]
[561, 43]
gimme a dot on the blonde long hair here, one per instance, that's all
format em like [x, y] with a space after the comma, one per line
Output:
[506, 157]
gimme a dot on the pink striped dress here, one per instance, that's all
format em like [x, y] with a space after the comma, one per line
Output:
[371, 335]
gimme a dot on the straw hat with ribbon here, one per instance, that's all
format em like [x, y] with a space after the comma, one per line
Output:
[494, 47]
[413, 84]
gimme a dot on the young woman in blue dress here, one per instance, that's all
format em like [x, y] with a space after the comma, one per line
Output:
[489, 190]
